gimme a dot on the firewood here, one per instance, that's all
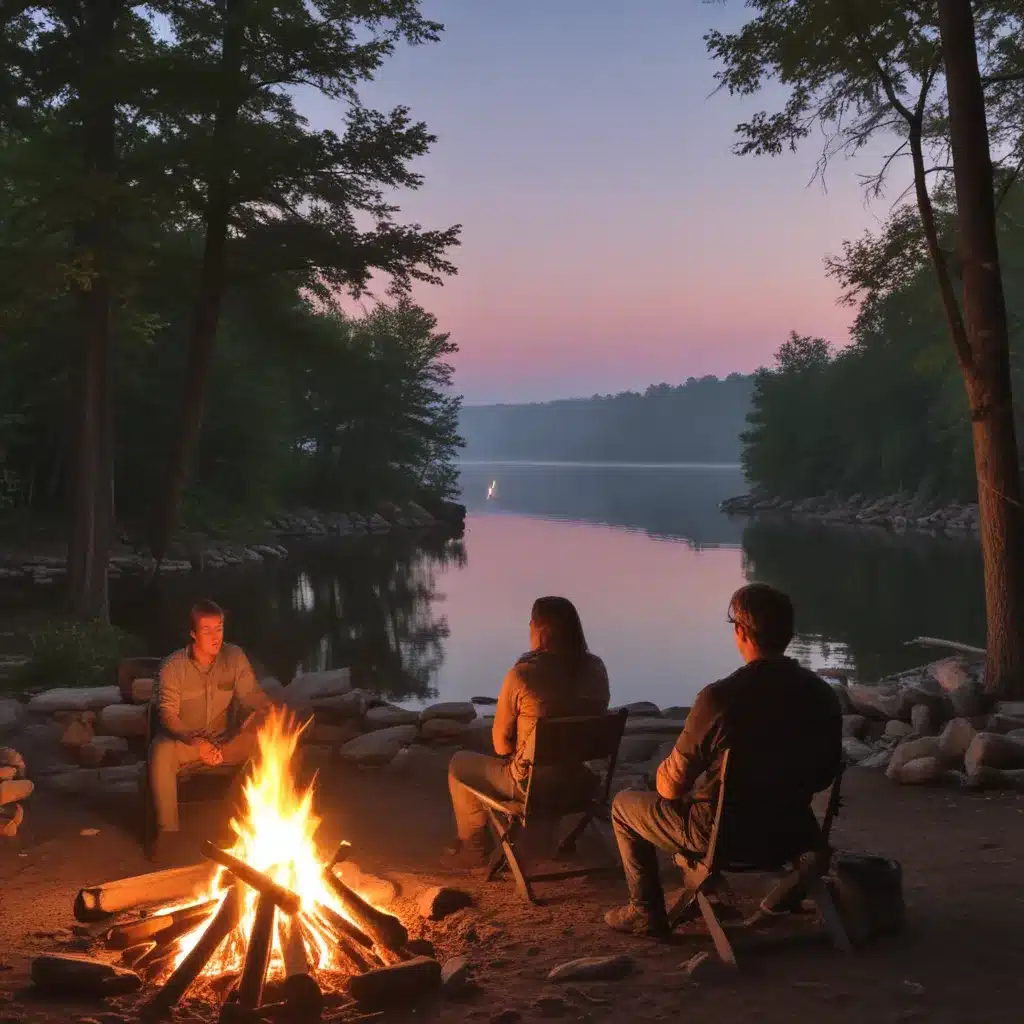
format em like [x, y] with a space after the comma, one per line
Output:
[281, 897]
[357, 952]
[293, 947]
[385, 929]
[133, 954]
[257, 955]
[97, 902]
[399, 984]
[81, 975]
[124, 935]
[188, 970]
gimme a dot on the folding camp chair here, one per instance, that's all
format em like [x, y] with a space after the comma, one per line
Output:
[557, 743]
[806, 868]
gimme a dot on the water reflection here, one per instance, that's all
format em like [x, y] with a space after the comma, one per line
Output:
[371, 604]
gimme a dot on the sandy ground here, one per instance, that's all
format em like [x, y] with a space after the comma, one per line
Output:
[959, 960]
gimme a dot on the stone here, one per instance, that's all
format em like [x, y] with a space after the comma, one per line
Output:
[409, 980]
[442, 730]
[142, 690]
[855, 750]
[961, 684]
[332, 735]
[76, 734]
[79, 975]
[897, 730]
[12, 715]
[343, 708]
[66, 698]
[123, 720]
[439, 901]
[13, 791]
[308, 686]
[910, 750]
[420, 947]
[478, 736]
[550, 1006]
[638, 749]
[485, 701]
[1010, 708]
[991, 750]
[593, 968]
[676, 713]
[460, 711]
[377, 748]
[11, 817]
[854, 726]
[102, 750]
[10, 758]
[385, 716]
[921, 720]
[641, 709]
[635, 726]
[1002, 723]
[879, 759]
[455, 974]
[920, 771]
[955, 738]
[879, 700]
[997, 778]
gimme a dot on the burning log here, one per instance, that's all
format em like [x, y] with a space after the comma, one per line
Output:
[257, 955]
[357, 957]
[125, 935]
[293, 947]
[133, 954]
[278, 895]
[385, 929]
[188, 970]
[97, 902]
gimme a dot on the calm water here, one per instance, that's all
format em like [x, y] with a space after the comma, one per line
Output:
[642, 551]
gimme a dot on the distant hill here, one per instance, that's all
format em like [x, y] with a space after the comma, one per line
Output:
[699, 421]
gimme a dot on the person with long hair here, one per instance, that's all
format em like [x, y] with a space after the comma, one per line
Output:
[558, 677]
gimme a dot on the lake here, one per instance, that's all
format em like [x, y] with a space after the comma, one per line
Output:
[642, 551]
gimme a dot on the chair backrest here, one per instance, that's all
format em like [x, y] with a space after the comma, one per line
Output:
[568, 742]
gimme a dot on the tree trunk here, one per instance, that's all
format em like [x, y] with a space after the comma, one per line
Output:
[212, 282]
[89, 535]
[987, 375]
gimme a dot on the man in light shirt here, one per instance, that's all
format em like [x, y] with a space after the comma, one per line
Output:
[202, 691]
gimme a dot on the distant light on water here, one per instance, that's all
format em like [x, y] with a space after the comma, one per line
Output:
[491, 490]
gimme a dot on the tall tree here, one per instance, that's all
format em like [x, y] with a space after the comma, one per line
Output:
[265, 181]
[985, 358]
[859, 71]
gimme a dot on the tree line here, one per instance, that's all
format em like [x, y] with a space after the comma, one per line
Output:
[174, 239]
[698, 421]
[942, 81]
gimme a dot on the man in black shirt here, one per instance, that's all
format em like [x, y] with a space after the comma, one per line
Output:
[782, 725]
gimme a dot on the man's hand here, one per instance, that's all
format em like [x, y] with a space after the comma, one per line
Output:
[209, 753]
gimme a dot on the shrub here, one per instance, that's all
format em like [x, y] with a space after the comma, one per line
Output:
[76, 654]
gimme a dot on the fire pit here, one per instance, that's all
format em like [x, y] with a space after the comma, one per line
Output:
[272, 909]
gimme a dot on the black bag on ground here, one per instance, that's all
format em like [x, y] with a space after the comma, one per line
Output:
[869, 895]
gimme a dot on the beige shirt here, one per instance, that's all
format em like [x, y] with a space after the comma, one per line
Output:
[540, 686]
[196, 702]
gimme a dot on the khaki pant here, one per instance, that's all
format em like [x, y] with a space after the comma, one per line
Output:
[168, 757]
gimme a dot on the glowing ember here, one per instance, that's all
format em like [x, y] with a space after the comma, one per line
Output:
[491, 490]
[276, 836]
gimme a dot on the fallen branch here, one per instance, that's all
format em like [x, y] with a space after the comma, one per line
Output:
[953, 645]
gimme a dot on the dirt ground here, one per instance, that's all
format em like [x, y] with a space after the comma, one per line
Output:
[959, 960]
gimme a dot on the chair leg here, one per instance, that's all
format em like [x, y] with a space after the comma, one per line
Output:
[567, 844]
[718, 935]
[507, 856]
[818, 891]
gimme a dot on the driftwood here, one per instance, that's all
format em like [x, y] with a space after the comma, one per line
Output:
[124, 935]
[953, 645]
[281, 897]
[188, 970]
[386, 930]
[98, 902]
[257, 954]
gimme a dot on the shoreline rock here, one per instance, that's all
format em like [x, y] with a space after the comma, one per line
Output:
[898, 512]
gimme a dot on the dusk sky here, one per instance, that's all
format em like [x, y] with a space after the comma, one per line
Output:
[611, 239]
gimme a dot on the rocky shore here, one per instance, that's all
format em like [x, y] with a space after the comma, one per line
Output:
[200, 552]
[931, 725]
[895, 511]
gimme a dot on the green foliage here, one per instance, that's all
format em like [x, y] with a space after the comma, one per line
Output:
[76, 654]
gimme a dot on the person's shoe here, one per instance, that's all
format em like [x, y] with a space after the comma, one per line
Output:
[634, 920]
[465, 856]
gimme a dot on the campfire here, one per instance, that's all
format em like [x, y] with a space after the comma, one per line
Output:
[275, 909]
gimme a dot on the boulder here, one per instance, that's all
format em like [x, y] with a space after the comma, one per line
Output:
[879, 759]
[911, 750]
[439, 901]
[1010, 708]
[122, 720]
[955, 738]
[385, 716]
[478, 736]
[641, 709]
[332, 735]
[66, 698]
[142, 690]
[1002, 723]
[13, 791]
[10, 758]
[997, 778]
[12, 715]
[990, 750]
[855, 750]
[961, 683]
[843, 696]
[11, 817]
[639, 749]
[854, 725]
[920, 771]
[75, 734]
[897, 730]
[455, 974]
[402, 984]
[103, 750]
[921, 720]
[442, 730]
[677, 713]
[484, 701]
[273, 688]
[635, 726]
[880, 700]
[342, 708]
[308, 686]
[459, 711]
[378, 747]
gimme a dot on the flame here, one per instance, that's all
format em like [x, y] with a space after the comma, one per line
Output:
[276, 834]
[491, 489]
